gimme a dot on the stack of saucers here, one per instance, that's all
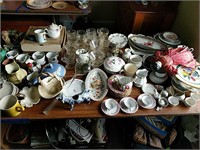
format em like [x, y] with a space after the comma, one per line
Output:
[171, 39]
[143, 45]
[38, 4]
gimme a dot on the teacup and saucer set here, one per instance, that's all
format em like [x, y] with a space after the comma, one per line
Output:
[110, 107]
[128, 105]
[146, 101]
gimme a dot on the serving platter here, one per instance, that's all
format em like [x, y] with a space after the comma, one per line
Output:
[147, 43]
[96, 83]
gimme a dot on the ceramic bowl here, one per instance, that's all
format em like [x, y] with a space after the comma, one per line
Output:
[114, 88]
[195, 96]
[113, 64]
[180, 96]
[173, 101]
[189, 102]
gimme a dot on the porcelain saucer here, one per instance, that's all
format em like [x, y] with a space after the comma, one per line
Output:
[148, 88]
[149, 97]
[127, 110]
[114, 111]
[157, 80]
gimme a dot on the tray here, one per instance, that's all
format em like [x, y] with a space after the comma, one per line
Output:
[28, 44]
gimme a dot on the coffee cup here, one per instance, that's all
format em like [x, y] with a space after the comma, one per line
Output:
[136, 59]
[129, 69]
[11, 106]
[52, 57]
[129, 104]
[40, 36]
[39, 57]
[110, 104]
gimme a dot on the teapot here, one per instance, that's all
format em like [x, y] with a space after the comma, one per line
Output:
[54, 30]
[140, 77]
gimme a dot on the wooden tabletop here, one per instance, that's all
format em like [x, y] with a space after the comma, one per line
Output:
[20, 8]
[93, 109]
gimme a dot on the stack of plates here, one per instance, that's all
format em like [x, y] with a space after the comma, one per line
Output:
[171, 39]
[38, 4]
[144, 45]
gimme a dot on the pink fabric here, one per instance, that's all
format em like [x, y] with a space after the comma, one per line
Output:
[176, 56]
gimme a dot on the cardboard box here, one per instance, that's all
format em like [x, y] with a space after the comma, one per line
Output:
[28, 44]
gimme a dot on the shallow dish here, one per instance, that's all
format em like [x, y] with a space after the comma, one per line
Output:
[170, 36]
[112, 112]
[77, 86]
[148, 43]
[189, 102]
[128, 105]
[119, 39]
[151, 101]
[60, 5]
[96, 83]
[148, 88]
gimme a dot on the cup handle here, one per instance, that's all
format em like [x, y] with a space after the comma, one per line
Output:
[60, 27]
[19, 109]
[120, 72]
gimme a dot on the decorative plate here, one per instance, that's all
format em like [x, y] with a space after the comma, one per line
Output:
[119, 39]
[147, 43]
[96, 83]
[149, 97]
[112, 112]
[160, 36]
[60, 5]
[76, 87]
[189, 75]
[128, 110]
[170, 36]
[113, 64]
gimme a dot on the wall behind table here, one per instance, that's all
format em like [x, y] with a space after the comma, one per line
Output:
[186, 25]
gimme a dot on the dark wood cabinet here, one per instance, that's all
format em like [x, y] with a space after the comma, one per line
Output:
[155, 17]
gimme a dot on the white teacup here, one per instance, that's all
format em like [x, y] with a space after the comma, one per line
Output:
[146, 101]
[39, 57]
[136, 59]
[40, 36]
[110, 104]
[22, 58]
[129, 69]
[52, 57]
[129, 104]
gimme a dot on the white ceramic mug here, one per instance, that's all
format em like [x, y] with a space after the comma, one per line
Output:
[22, 58]
[40, 35]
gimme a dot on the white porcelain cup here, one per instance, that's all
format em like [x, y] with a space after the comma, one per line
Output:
[136, 59]
[52, 57]
[110, 104]
[39, 57]
[129, 104]
[82, 56]
[12, 54]
[40, 35]
[129, 69]
[22, 58]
